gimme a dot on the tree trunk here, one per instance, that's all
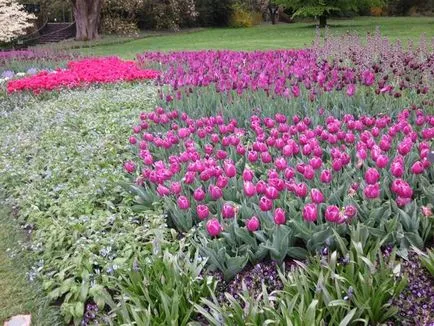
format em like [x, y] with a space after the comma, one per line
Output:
[322, 21]
[87, 17]
[273, 13]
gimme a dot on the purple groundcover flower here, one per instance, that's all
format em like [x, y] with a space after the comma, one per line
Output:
[7, 74]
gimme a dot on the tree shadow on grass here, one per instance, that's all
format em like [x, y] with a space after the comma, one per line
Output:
[333, 26]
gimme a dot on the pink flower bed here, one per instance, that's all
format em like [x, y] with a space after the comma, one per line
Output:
[288, 73]
[281, 168]
[81, 73]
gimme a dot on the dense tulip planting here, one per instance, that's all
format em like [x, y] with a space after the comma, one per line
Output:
[287, 172]
[345, 64]
[81, 73]
[257, 164]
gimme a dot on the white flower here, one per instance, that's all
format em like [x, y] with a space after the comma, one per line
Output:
[13, 20]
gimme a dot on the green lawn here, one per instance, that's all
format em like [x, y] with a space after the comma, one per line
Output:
[17, 295]
[268, 36]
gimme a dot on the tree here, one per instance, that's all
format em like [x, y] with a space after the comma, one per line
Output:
[273, 9]
[323, 8]
[87, 14]
[14, 21]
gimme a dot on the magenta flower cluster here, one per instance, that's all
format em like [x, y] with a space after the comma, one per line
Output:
[288, 73]
[212, 168]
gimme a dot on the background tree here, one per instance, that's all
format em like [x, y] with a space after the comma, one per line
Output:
[324, 8]
[87, 14]
[14, 21]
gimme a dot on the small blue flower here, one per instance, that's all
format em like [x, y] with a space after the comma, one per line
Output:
[32, 71]
[7, 74]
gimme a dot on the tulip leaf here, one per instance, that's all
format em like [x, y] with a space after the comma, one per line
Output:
[297, 252]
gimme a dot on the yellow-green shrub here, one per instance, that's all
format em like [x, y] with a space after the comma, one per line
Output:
[243, 17]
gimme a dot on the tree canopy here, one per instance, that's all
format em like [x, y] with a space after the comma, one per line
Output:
[14, 21]
[323, 8]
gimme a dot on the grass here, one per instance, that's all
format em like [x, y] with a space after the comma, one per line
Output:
[269, 36]
[17, 295]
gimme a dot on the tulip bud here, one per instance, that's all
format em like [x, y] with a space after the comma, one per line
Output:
[332, 214]
[133, 140]
[252, 156]
[426, 211]
[397, 169]
[213, 227]
[326, 176]
[183, 203]
[372, 176]
[301, 190]
[280, 163]
[202, 212]
[261, 187]
[382, 161]
[316, 196]
[315, 162]
[248, 174]
[249, 188]
[310, 212]
[241, 150]
[162, 190]
[222, 182]
[309, 172]
[215, 192]
[417, 167]
[265, 204]
[350, 211]
[271, 193]
[289, 173]
[266, 157]
[372, 191]
[129, 166]
[252, 224]
[228, 211]
[279, 216]
[199, 194]
[175, 188]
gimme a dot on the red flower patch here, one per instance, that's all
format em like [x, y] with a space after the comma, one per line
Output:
[81, 73]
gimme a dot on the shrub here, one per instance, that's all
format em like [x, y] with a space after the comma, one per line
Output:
[214, 12]
[174, 14]
[119, 26]
[241, 17]
[377, 11]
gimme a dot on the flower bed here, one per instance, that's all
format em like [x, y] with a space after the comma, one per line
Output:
[81, 73]
[343, 64]
[286, 178]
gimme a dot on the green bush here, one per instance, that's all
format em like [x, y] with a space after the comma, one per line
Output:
[119, 26]
[214, 12]
[241, 17]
